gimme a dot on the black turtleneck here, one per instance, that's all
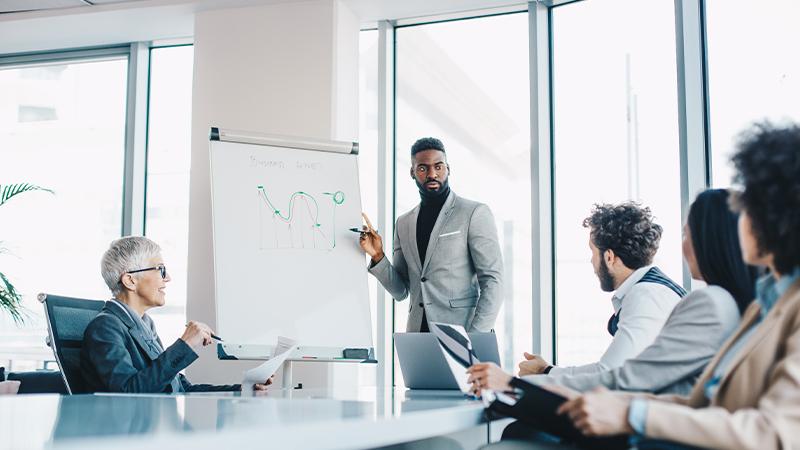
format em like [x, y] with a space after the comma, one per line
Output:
[430, 207]
[429, 210]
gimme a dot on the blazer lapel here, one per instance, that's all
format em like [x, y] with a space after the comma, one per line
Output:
[411, 232]
[133, 329]
[447, 208]
[112, 307]
[764, 329]
[698, 396]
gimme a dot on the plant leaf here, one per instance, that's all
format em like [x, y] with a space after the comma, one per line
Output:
[10, 300]
[10, 190]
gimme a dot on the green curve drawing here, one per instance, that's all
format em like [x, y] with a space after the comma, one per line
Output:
[288, 216]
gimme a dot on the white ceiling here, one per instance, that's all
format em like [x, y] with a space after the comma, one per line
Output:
[35, 25]
[9, 6]
[369, 10]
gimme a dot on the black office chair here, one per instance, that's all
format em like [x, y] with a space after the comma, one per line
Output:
[67, 319]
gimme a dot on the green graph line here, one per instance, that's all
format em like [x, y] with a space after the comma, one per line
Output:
[337, 198]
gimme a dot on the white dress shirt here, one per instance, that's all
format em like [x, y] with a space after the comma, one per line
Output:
[645, 308]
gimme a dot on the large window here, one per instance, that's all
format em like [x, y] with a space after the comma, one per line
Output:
[466, 83]
[615, 139]
[168, 160]
[62, 125]
[753, 71]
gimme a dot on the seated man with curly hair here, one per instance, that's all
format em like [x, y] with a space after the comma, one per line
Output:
[623, 239]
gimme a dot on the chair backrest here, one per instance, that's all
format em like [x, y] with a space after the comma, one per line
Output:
[67, 319]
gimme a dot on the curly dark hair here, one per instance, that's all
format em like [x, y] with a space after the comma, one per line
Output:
[427, 143]
[627, 229]
[767, 164]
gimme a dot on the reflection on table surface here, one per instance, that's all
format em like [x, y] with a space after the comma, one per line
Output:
[36, 421]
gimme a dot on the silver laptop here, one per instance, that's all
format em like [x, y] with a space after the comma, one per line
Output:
[423, 364]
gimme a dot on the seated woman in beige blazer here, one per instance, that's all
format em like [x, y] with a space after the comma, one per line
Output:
[749, 395]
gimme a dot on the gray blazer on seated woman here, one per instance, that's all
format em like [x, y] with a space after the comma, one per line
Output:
[121, 349]
[700, 322]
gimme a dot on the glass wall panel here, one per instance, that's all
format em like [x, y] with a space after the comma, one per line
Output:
[62, 126]
[368, 120]
[466, 83]
[168, 160]
[368, 159]
[615, 139]
[753, 75]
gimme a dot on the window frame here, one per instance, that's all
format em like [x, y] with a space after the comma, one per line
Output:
[693, 125]
[137, 105]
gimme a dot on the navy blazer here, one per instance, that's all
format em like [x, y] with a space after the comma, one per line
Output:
[116, 358]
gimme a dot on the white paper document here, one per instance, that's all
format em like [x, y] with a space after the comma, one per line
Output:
[457, 350]
[262, 373]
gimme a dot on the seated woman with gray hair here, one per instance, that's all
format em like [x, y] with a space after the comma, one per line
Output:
[121, 349]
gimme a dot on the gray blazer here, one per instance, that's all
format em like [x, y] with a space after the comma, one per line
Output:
[460, 280]
[692, 335]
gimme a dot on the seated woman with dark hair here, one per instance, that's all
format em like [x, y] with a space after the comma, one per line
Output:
[749, 395]
[700, 322]
[695, 329]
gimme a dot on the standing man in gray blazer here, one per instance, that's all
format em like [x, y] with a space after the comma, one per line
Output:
[446, 252]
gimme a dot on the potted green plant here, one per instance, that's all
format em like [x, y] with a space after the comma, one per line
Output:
[10, 299]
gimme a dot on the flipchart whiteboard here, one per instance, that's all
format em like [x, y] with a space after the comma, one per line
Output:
[286, 263]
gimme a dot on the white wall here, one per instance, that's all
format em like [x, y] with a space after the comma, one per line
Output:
[147, 20]
[289, 69]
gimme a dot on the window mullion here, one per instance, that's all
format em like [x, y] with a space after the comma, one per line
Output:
[542, 239]
[134, 181]
[692, 108]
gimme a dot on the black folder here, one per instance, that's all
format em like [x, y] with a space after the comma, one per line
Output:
[537, 407]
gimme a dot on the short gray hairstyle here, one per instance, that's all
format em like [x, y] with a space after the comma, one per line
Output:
[123, 255]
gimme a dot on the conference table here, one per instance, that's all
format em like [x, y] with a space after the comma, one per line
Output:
[280, 419]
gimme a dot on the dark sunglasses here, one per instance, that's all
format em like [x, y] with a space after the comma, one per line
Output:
[161, 268]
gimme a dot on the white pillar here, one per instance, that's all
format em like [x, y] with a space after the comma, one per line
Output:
[289, 69]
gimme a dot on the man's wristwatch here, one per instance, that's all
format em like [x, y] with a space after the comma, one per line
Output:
[547, 370]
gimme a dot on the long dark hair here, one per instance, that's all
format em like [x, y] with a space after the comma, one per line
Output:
[715, 241]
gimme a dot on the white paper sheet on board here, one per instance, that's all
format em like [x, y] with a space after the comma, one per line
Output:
[261, 373]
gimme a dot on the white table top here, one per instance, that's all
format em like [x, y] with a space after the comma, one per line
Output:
[306, 418]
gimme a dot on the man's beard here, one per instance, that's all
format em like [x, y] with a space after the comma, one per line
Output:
[606, 280]
[425, 193]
